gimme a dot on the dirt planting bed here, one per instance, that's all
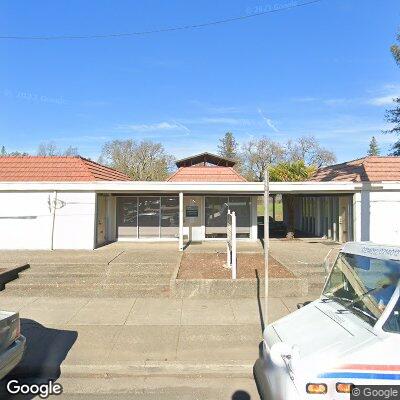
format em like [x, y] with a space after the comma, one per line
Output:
[212, 266]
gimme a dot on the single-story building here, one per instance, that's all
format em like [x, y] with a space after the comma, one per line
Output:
[75, 203]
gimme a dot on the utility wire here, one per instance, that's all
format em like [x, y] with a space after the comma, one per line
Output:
[161, 30]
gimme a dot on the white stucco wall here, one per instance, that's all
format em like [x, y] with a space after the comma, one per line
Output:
[74, 226]
[385, 217]
[26, 220]
[377, 216]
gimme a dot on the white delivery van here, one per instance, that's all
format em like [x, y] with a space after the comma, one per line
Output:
[349, 336]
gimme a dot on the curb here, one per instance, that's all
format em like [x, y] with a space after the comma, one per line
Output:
[135, 369]
[158, 368]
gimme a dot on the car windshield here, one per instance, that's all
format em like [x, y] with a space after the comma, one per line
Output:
[363, 285]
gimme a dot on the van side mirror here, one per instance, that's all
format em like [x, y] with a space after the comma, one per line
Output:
[279, 351]
[300, 305]
[282, 353]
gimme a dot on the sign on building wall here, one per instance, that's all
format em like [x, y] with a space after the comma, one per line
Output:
[192, 211]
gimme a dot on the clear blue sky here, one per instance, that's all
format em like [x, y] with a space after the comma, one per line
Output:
[323, 69]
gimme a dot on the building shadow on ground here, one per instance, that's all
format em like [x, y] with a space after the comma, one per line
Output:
[46, 349]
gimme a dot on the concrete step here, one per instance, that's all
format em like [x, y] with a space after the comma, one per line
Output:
[83, 285]
[316, 278]
[84, 290]
[315, 288]
[300, 270]
[316, 282]
[109, 277]
[97, 264]
[314, 275]
[95, 269]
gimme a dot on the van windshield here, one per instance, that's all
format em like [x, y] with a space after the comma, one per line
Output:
[363, 285]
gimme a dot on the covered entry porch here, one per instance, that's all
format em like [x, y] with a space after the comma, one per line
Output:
[329, 217]
[181, 217]
[184, 212]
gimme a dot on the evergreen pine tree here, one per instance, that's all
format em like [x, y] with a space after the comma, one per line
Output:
[393, 115]
[228, 147]
[396, 149]
[373, 147]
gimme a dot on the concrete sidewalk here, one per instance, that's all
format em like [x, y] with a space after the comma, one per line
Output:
[96, 339]
[124, 334]
[145, 311]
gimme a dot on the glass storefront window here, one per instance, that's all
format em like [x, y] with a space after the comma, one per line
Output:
[158, 216]
[149, 217]
[241, 207]
[169, 216]
[216, 208]
[127, 217]
[216, 211]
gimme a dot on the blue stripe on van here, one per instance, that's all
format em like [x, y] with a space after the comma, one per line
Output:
[360, 375]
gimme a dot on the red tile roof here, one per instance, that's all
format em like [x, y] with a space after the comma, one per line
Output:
[367, 169]
[56, 169]
[206, 174]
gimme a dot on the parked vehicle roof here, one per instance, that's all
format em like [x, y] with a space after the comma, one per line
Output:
[374, 250]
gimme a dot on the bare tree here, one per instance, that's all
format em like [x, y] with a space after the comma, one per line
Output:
[142, 161]
[70, 151]
[323, 157]
[48, 149]
[308, 149]
[257, 154]
[51, 149]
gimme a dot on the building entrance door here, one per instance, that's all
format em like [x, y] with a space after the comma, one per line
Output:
[101, 220]
[193, 217]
